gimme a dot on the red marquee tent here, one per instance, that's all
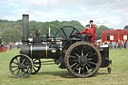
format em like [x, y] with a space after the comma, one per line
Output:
[114, 35]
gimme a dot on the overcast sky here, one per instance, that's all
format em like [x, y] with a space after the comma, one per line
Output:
[111, 13]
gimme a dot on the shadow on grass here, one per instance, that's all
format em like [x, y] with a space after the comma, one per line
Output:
[99, 73]
[65, 74]
[12, 77]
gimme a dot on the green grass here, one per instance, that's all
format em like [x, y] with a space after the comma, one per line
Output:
[52, 75]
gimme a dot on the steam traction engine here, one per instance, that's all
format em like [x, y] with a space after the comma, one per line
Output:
[68, 49]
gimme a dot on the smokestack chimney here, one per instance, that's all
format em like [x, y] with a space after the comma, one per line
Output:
[25, 21]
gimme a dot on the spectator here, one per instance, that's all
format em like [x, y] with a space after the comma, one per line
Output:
[112, 44]
[127, 44]
[10, 45]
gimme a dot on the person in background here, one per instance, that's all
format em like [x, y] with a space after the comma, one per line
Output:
[127, 44]
[98, 44]
[94, 30]
[112, 44]
[0, 41]
[10, 45]
[121, 44]
[13, 44]
[89, 33]
[37, 33]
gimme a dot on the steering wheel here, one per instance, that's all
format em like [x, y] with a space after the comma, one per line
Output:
[66, 35]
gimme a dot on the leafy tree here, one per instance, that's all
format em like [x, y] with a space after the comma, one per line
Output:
[98, 31]
[12, 34]
[126, 27]
[12, 31]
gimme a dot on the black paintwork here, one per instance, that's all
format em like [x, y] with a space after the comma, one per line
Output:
[37, 48]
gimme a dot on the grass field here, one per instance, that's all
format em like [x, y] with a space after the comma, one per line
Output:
[52, 75]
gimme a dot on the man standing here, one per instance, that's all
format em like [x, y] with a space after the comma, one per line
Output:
[94, 31]
[89, 33]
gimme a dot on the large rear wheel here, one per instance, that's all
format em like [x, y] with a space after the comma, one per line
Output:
[82, 59]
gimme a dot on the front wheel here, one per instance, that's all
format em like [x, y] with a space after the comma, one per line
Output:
[36, 65]
[82, 59]
[21, 66]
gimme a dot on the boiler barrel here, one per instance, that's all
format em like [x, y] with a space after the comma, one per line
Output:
[40, 51]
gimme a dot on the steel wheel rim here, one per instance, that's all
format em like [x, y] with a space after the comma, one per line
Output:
[81, 68]
[20, 66]
[36, 66]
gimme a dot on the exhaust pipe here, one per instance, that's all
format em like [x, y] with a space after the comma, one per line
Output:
[25, 21]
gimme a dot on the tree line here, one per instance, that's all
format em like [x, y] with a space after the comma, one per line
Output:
[12, 31]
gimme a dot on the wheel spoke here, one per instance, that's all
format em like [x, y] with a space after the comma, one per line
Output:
[64, 33]
[82, 52]
[90, 59]
[36, 66]
[28, 69]
[34, 60]
[92, 63]
[76, 67]
[34, 69]
[87, 69]
[75, 60]
[26, 66]
[83, 69]
[18, 72]
[64, 45]
[92, 55]
[15, 63]
[72, 32]
[15, 69]
[73, 56]
[23, 60]
[14, 66]
[77, 55]
[73, 65]
[79, 70]
[36, 63]
[88, 65]
[21, 73]
[90, 51]
[78, 51]
[86, 54]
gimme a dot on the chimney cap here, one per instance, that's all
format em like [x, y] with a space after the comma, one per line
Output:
[25, 14]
